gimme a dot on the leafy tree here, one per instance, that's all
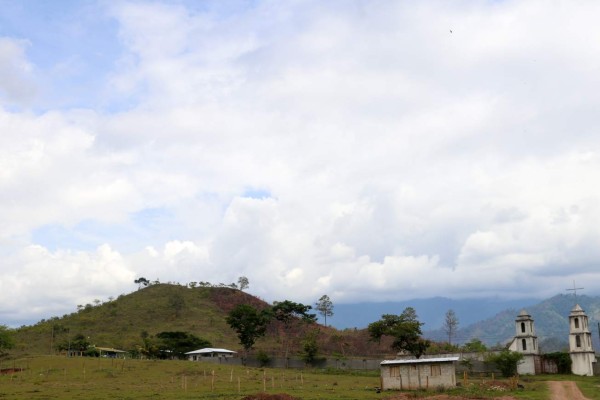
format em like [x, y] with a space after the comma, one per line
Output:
[474, 346]
[243, 283]
[141, 281]
[404, 329]
[288, 312]
[178, 343]
[325, 307]
[249, 323]
[450, 324]
[77, 343]
[506, 361]
[310, 347]
[6, 340]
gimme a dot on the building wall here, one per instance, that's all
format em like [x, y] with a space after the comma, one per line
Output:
[418, 376]
[527, 365]
[583, 363]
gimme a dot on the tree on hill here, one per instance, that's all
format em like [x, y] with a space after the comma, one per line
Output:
[141, 282]
[243, 283]
[6, 340]
[325, 307]
[249, 323]
[289, 312]
[404, 329]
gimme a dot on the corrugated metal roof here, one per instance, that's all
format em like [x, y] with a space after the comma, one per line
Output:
[420, 361]
[210, 350]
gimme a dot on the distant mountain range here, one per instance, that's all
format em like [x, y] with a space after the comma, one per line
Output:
[430, 311]
[490, 320]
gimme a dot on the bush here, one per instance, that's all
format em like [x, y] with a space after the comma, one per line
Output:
[263, 358]
[506, 361]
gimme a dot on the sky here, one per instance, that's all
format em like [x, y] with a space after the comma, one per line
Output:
[367, 150]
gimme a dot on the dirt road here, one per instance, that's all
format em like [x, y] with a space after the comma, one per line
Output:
[565, 390]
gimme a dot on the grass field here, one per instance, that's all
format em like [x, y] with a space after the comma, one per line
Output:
[102, 378]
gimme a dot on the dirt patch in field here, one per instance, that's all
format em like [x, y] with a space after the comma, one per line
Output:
[565, 390]
[7, 371]
[405, 396]
[265, 396]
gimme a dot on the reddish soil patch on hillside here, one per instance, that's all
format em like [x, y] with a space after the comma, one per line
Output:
[265, 396]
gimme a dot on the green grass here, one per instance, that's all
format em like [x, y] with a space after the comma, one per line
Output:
[53, 377]
[101, 378]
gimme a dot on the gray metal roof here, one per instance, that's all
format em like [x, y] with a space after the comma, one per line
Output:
[420, 360]
[210, 350]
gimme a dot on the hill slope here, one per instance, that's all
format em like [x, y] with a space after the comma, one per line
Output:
[551, 318]
[157, 308]
[200, 311]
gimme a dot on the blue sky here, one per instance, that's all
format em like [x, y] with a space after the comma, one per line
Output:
[371, 151]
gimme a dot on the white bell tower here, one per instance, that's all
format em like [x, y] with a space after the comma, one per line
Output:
[580, 343]
[526, 343]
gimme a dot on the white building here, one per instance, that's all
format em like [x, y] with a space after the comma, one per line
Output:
[209, 352]
[526, 343]
[422, 373]
[582, 353]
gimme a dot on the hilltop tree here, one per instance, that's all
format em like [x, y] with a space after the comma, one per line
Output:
[450, 324]
[243, 283]
[325, 307]
[404, 329]
[249, 323]
[141, 282]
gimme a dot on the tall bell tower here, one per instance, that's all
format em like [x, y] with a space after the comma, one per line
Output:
[581, 351]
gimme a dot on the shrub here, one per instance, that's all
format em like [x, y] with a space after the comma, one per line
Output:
[263, 358]
[506, 361]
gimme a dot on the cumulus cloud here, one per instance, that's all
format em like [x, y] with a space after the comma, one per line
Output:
[16, 80]
[368, 151]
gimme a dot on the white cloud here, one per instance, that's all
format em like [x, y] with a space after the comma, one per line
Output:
[16, 72]
[397, 159]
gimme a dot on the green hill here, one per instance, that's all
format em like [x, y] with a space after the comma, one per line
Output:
[201, 311]
[119, 323]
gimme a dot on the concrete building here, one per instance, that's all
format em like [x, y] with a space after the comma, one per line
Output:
[526, 343]
[580, 343]
[423, 373]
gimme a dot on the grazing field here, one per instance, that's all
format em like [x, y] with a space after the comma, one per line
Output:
[54, 377]
[102, 378]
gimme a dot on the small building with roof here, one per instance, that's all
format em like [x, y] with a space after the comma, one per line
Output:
[109, 352]
[422, 373]
[209, 352]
